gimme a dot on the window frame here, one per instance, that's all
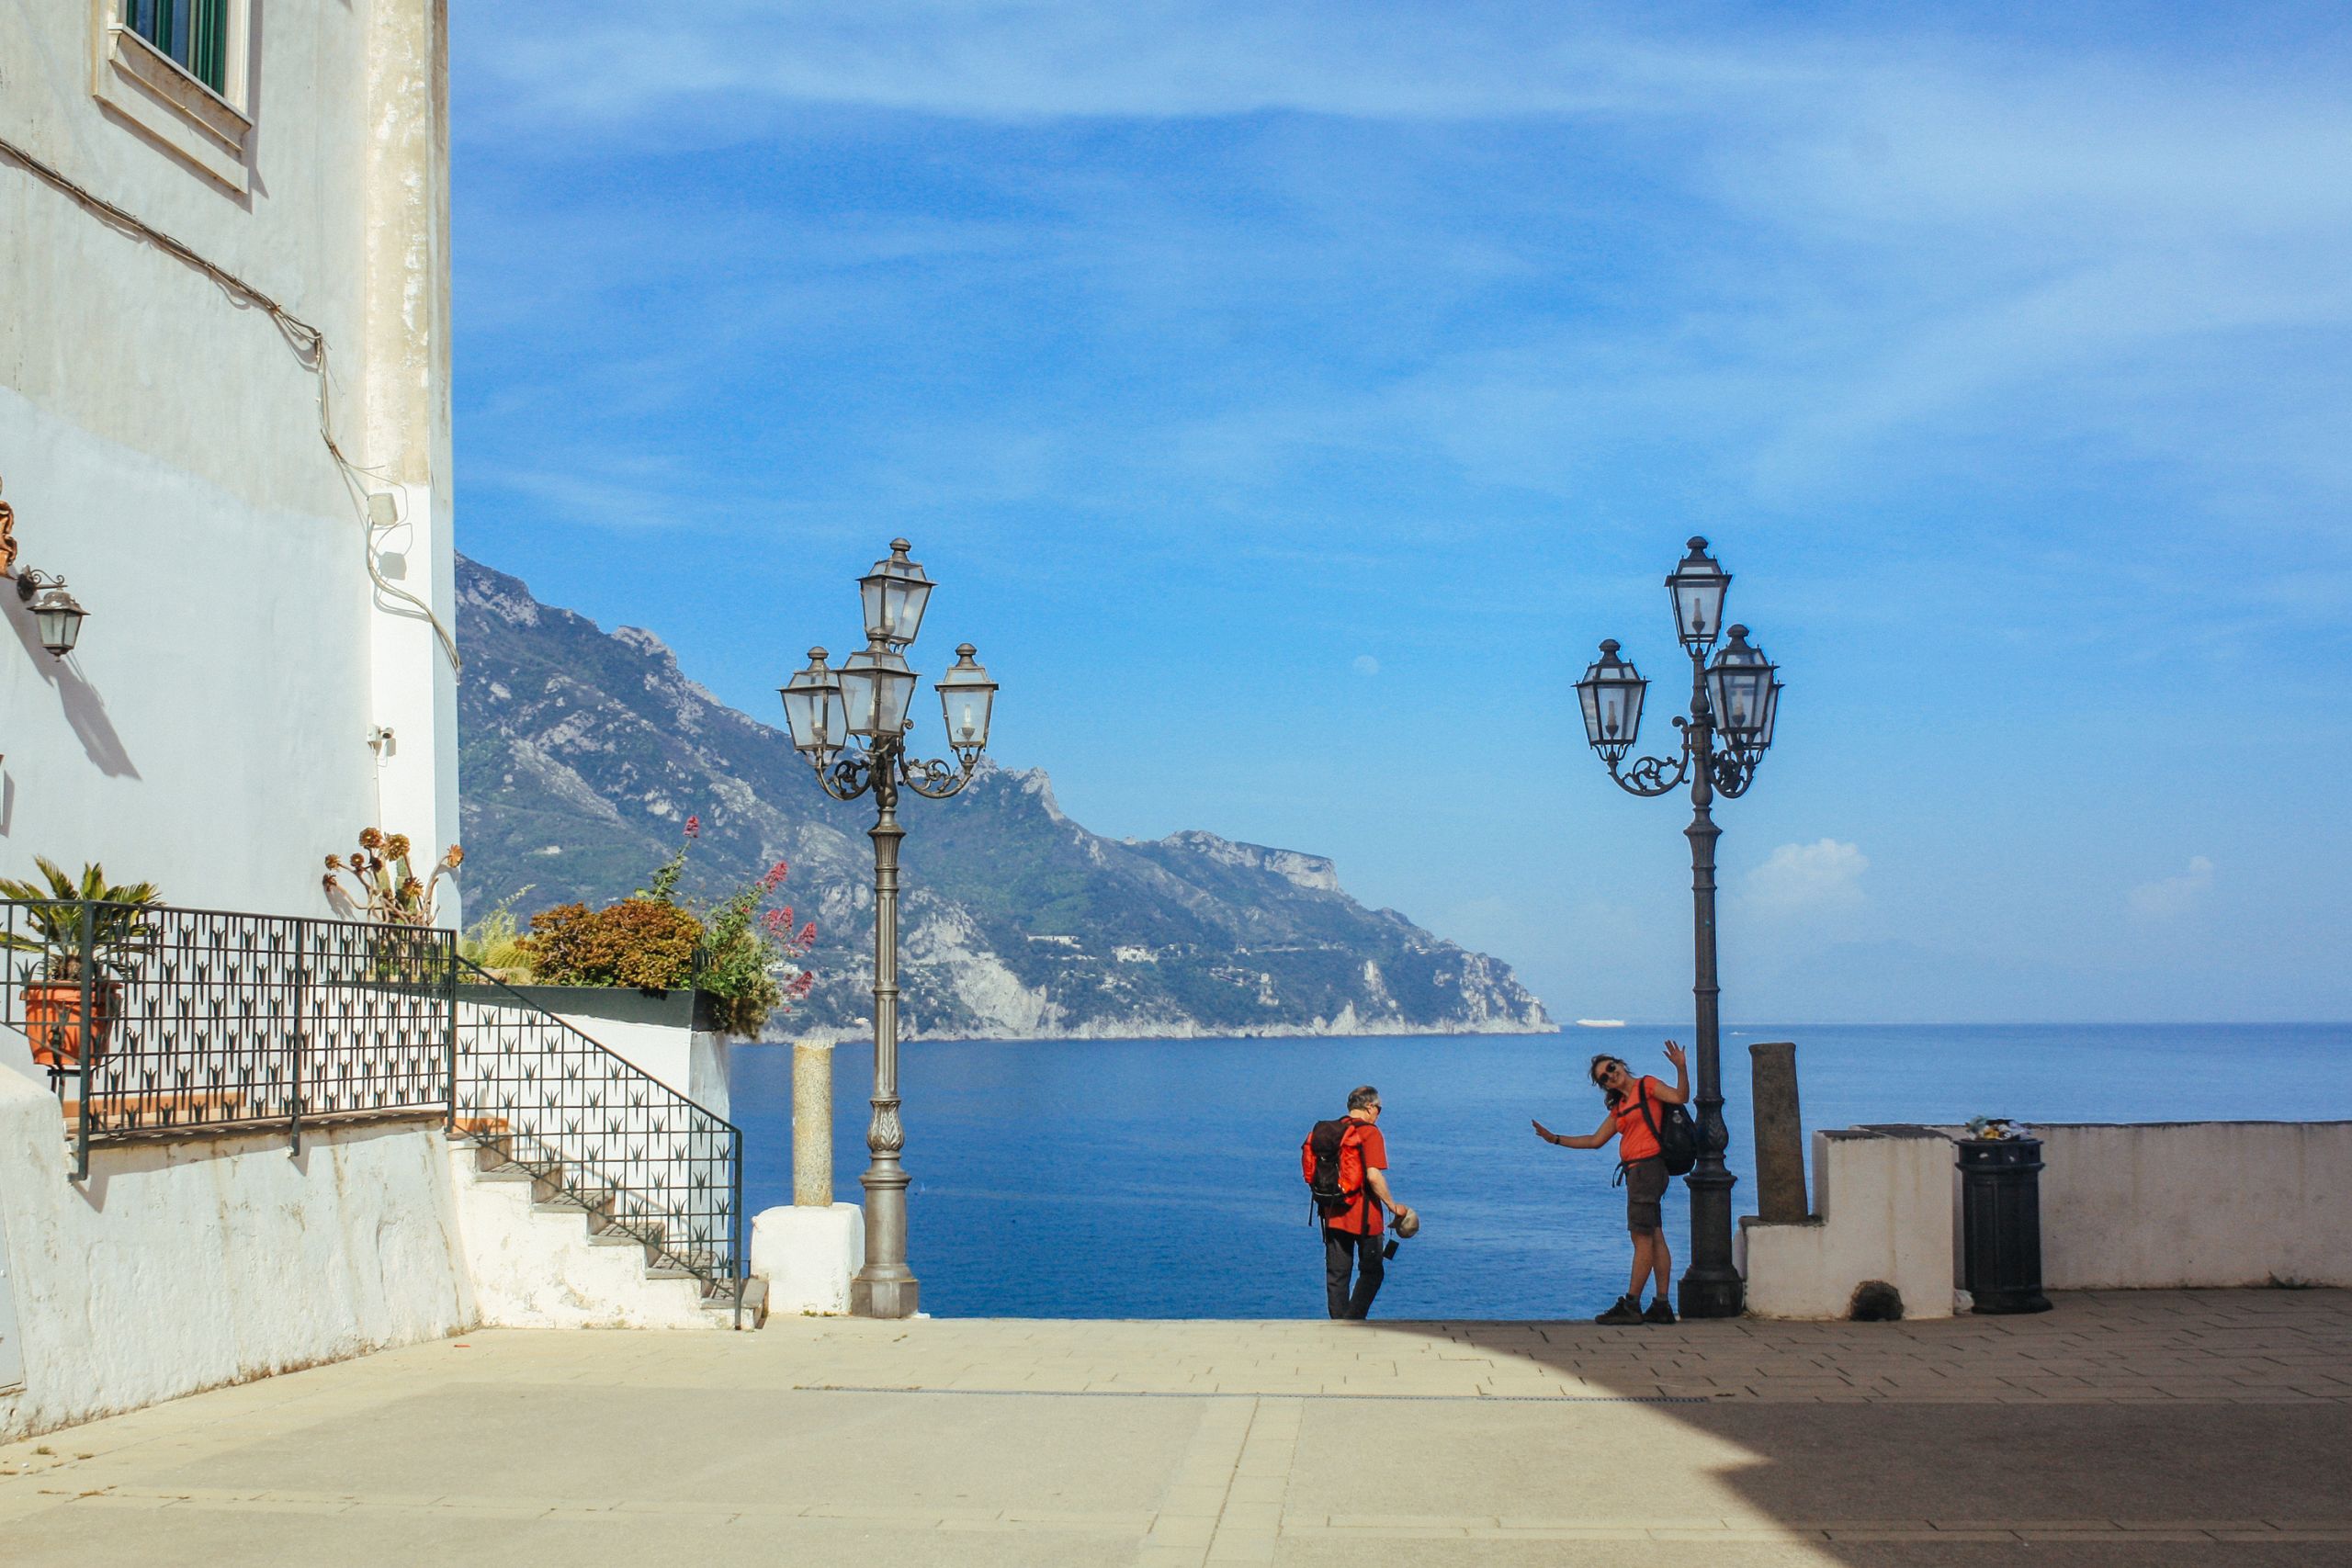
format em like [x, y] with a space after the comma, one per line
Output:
[208, 126]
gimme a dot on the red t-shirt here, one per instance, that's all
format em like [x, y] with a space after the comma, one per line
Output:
[1363, 1215]
[1635, 1139]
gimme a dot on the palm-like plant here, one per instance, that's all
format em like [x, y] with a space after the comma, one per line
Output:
[52, 917]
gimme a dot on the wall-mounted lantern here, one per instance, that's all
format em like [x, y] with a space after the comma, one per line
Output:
[57, 615]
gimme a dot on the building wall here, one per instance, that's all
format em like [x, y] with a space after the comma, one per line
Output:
[179, 1267]
[160, 445]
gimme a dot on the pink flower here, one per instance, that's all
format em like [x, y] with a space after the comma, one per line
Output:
[775, 879]
[808, 934]
[694, 825]
[775, 920]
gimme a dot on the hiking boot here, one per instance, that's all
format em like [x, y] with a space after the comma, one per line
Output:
[1625, 1311]
[1657, 1311]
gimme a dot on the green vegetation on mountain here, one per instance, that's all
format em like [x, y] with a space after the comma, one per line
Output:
[581, 753]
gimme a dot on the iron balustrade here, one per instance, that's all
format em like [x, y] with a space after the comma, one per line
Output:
[639, 1157]
[159, 1020]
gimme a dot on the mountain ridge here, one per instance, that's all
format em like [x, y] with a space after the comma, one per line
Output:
[582, 753]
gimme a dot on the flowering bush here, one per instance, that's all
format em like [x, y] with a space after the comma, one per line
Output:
[746, 955]
[389, 891]
[752, 955]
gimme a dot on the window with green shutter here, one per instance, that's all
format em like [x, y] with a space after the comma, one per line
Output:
[194, 33]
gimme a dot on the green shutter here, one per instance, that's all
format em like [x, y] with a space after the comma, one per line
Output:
[209, 43]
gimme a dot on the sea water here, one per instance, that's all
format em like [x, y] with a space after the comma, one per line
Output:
[1160, 1178]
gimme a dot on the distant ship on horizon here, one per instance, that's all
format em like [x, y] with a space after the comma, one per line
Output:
[1600, 1023]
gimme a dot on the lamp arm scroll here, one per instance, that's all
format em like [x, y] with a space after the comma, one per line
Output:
[1733, 774]
[847, 777]
[1647, 776]
[937, 780]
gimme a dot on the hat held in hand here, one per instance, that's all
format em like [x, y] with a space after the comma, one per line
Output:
[1405, 1223]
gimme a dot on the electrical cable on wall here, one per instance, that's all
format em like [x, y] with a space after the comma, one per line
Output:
[308, 342]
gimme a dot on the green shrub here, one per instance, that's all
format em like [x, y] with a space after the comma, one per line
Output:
[636, 943]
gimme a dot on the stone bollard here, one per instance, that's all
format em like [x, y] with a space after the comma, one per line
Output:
[810, 1251]
[1780, 1134]
[812, 1125]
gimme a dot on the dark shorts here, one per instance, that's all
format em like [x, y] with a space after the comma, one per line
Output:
[1645, 1187]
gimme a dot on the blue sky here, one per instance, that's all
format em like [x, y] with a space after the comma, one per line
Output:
[1289, 397]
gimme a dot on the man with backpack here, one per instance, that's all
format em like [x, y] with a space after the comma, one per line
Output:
[1346, 1164]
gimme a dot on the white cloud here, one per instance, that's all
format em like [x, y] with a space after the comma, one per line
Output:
[2170, 897]
[1823, 876]
[1366, 664]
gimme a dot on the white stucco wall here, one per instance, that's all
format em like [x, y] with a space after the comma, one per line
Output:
[2134, 1206]
[2196, 1203]
[809, 1254]
[179, 1267]
[692, 1061]
[1883, 1211]
[541, 1268]
[160, 446]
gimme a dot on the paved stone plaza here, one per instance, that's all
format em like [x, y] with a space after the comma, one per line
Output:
[2131, 1429]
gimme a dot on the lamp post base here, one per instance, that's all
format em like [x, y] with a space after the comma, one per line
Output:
[883, 1298]
[1711, 1295]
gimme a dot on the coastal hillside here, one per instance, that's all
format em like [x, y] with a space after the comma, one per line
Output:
[583, 752]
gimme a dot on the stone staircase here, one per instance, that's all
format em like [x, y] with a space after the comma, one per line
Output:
[601, 1194]
[551, 1251]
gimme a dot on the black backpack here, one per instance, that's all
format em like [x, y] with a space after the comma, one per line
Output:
[1677, 1134]
[1322, 1159]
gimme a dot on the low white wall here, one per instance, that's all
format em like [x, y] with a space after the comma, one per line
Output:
[2164, 1205]
[692, 1061]
[183, 1266]
[808, 1255]
[2179, 1205]
[1883, 1199]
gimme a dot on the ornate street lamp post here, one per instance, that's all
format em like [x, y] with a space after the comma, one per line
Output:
[867, 701]
[1732, 704]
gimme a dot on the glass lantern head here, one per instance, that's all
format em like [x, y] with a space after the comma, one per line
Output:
[895, 592]
[1743, 691]
[967, 696]
[875, 688]
[1698, 586]
[57, 618]
[1612, 693]
[813, 709]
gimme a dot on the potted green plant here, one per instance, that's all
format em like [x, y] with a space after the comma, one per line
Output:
[53, 990]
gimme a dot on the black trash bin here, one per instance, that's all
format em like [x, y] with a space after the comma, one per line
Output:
[2000, 1217]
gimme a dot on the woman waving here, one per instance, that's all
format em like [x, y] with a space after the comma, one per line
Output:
[1632, 1118]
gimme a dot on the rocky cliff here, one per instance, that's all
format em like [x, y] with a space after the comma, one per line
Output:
[583, 753]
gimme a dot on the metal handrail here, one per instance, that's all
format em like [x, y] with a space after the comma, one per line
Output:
[614, 1139]
[163, 1021]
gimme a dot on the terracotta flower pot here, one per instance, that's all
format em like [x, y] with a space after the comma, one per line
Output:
[54, 1023]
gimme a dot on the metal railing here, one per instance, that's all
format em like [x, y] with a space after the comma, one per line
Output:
[156, 1021]
[639, 1157]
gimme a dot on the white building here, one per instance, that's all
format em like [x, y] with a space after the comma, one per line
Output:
[208, 226]
[224, 422]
